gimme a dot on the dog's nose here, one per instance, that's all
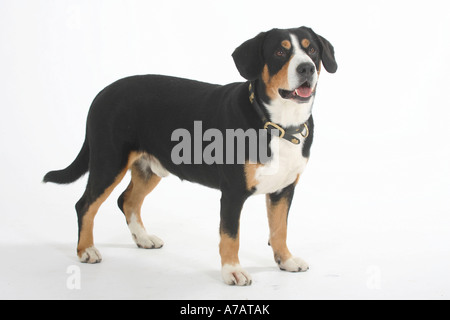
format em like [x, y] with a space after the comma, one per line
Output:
[306, 69]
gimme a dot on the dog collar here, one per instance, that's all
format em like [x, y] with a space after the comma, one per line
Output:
[285, 133]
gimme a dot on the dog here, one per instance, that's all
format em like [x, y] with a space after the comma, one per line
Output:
[131, 125]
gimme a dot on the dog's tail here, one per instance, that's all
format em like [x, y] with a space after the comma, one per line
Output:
[73, 172]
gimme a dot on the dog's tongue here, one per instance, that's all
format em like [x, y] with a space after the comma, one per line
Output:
[304, 92]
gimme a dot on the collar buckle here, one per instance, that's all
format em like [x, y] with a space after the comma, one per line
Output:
[275, 126]
[287, 134]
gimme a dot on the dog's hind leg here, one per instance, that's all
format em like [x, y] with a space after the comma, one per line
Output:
[106, 172]
[143, 181]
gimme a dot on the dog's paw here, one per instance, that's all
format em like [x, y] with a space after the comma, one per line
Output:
[236, 275]
[294, 264]
[90, 255]
[146, 241]
[142, 238]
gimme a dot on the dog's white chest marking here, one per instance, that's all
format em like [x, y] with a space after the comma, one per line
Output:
[288, 161]
[283, 169]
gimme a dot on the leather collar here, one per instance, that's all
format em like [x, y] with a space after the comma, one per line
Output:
[285, 133]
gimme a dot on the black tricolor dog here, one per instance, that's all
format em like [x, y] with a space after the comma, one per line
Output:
[131, 123]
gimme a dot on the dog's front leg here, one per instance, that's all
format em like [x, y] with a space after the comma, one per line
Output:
[278, 205]
[230, 212]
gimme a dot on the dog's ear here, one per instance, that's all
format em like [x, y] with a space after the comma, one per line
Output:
[248, 57]
[326, 53]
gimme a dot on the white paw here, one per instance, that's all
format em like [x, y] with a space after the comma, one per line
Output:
[147, 241]
[141, 237]
[91, 255]
[236, 275]
[294, 264]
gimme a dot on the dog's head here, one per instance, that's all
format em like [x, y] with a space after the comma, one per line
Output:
[286, 63]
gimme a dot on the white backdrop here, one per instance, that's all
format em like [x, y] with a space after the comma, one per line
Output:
[371, 214]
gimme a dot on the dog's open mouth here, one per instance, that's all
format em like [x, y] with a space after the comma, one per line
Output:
[302, 93]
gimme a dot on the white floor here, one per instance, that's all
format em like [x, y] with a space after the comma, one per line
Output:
[365, 236]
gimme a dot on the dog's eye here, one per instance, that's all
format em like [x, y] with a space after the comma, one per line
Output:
[312, 50]
[280, 53]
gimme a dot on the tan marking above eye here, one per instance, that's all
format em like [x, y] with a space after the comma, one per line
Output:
[305, 43]
[286, 44]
